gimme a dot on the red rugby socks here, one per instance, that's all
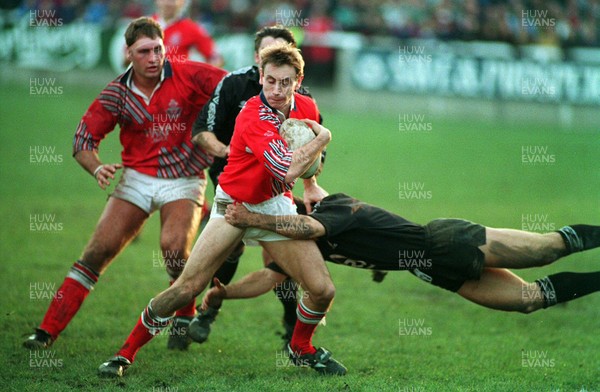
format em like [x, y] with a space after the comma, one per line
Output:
[147, 326]
[68, 298]
[305, 329]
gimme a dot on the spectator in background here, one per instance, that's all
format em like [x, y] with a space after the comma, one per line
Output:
[589, 30]
[133, 10]
[43, 10]
[215, 15]
[573, 22]
[372, 22]
[468, 22]
[183, 34]
[395, 15]
[320, 59]
[346, 15]
[69, 10]
[443, 17]
[97, 12]
[241, 12]
[275, 12]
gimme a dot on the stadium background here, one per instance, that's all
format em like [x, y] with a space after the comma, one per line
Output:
[483, 110]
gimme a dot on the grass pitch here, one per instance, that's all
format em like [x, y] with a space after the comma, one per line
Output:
[503, 176]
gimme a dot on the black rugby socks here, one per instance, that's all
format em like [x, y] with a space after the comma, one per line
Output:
[580, 237]
[567, 286]
[287, 292]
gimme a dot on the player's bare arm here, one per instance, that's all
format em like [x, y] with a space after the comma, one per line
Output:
[299, 227]
[103, 173]
[252, 285]
[209, 142]
[303, 157]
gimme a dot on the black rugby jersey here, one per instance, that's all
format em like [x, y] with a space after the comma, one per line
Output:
[364, 236]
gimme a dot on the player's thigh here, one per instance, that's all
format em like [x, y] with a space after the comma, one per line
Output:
[212, 247]
[499, 288]
[504, 245]
[119, 223]
[179, 221]
[303, 262]
[510, 248]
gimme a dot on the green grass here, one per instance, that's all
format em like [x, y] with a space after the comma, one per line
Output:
[473, 170]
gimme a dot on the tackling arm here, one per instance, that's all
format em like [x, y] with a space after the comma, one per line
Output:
[250, 286]
[299, 227]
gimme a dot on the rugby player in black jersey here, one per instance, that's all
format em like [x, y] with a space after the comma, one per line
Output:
[458, 255]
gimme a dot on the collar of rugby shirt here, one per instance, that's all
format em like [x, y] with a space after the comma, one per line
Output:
[128, 80]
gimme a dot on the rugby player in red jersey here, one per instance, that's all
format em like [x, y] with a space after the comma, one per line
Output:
[213, 130]
[260, 172]
[155, 104]
[183, 34]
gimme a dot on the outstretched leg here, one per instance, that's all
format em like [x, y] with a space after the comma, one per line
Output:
[212, 247]
[501, 289]
[179, 222]
[508, 248]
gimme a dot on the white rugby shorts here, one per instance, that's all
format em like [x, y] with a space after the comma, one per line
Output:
[151, 193]
[278, 205]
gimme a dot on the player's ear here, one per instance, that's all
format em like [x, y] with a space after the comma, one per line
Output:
[299, 82]
[260, 79]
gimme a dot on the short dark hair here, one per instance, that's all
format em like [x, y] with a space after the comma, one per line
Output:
[276, 31]
[283, 54]
[142, 27]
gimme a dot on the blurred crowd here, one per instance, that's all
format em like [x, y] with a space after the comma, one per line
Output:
[554, 22]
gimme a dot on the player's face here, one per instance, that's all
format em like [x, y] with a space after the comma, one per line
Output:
[169, 9]
[279, 84]
[147, 57]
[266, 42]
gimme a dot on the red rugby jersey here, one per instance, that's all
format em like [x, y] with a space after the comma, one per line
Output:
[184, 34]
[156, 137]
[259, 159]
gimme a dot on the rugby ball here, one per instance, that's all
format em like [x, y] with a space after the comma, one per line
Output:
[296, 134]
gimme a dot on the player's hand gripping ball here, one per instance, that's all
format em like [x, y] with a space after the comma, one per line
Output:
[296, 134]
